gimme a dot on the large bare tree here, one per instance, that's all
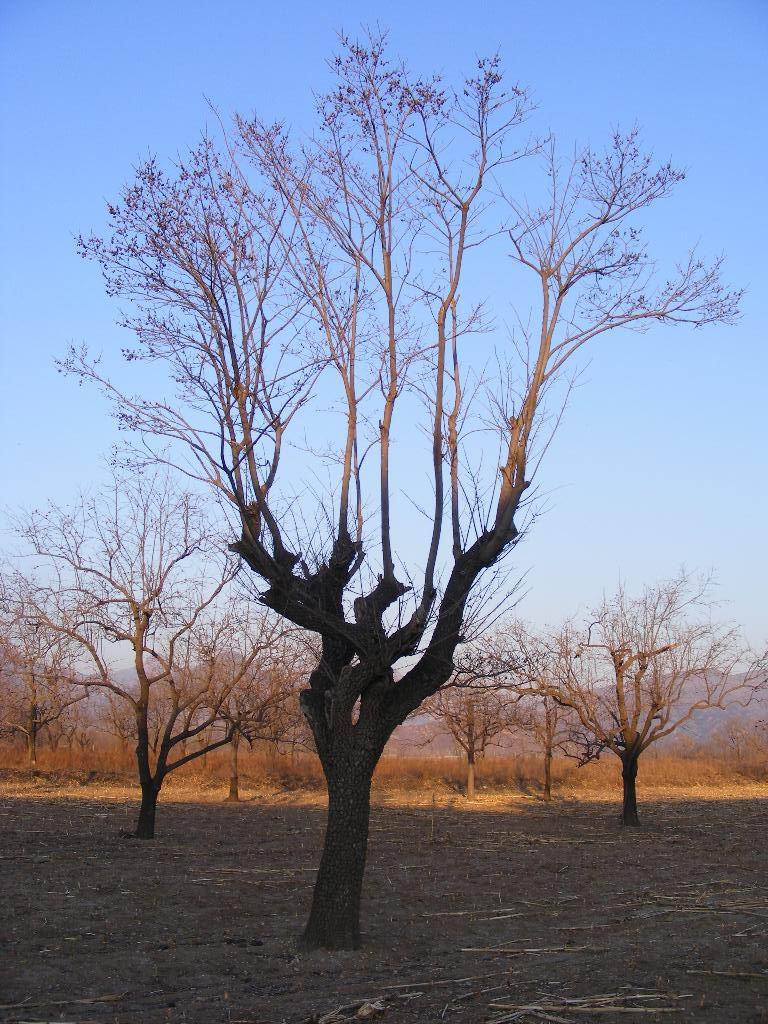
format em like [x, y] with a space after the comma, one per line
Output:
[641, 668]
[276, 278]
[135, 579]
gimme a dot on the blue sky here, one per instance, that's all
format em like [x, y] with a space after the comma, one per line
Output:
[662, 457]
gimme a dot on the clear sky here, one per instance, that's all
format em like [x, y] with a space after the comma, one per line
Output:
[662, 458]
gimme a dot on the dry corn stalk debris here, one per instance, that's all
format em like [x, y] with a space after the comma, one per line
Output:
[432, 983]
[25, 1003]
[733, 974]
[621, 1002]
[361, 1009]
[532, 951]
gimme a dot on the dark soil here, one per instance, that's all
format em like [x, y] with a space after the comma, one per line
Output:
[200, 925]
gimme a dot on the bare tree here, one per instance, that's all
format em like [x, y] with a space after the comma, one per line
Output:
[642, 668]
[742, 741]
[118, 720]
[133, 574]
[549, 725]
[264, 705]
[39, 681]
[75, 728]
[253, 271]
[524, 663]
[476, 717]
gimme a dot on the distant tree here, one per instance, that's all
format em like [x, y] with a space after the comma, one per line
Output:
[136, 573]
[345, 253]
[475, 716]
[642, 668]
[75, 728]
[744, 740]
[264, 705]
[38, 680]
[118, 719]
[532, 661]
[549, 725]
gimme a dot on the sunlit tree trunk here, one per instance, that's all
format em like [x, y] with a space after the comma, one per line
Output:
[548, 772]
[234, 746]
[32, 730]
[32, 746]
[470, 774]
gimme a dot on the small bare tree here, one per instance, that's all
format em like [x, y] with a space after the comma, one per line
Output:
[642, 668]
[39, 681]
[532, 661]
[549, 725]
[742, 741]
[253, 270]
[476, 717]
[75, 728]
[264, 705]
[134, 573]
[118, 720]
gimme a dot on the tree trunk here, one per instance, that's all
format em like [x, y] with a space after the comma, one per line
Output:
[150, 784]
[470, 776]
[32, 747]
[145, 827]
[548, 773]
[334, 920]
[234, 791]
[629, 779]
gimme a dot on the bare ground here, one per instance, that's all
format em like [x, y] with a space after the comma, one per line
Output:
[537, 906]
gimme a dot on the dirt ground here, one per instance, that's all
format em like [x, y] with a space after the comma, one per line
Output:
[510, 911]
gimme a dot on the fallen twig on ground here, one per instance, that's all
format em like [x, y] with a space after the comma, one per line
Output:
[611, 1002]
[446, 981]
[115, 998]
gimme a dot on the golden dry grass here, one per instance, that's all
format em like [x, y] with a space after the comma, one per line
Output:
[399, 780]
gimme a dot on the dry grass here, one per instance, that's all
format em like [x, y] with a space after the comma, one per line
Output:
[399, 778]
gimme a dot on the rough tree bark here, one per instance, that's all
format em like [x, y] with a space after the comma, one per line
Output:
[145, 826]
[334, 918]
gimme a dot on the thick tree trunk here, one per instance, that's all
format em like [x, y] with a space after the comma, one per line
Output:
[234, 791]
[145, 827]
[150, 784]
[548, 773]
[629, 779]
[470, 776]
[334, 920]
